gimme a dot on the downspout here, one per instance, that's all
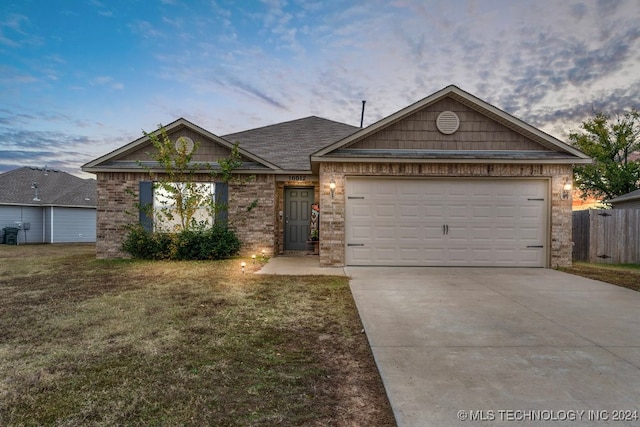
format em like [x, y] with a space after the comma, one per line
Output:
[44, 225]
[51, 224]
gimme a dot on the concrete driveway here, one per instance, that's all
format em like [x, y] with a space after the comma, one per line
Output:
[471, 346]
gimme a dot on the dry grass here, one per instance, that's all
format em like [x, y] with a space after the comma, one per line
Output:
[87, 342]
[626, 275]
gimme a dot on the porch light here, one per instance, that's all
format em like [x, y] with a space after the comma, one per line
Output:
[566, 189]
[253, 258]
[332, 187]
[243, 265]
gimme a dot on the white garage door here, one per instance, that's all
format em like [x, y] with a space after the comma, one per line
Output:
[452, 222]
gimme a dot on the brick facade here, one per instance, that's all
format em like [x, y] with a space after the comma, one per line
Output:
[117, 198]
[256, 228]
[118, 193]
[262, 227]
[332, 218]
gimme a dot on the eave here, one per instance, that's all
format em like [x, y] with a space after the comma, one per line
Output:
[46, 205]
[339, 159]
[248, 168]
[449, 156]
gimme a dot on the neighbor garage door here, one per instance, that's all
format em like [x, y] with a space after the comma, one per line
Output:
[452, 222]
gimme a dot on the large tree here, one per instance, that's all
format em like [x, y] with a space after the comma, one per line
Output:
[613, 144]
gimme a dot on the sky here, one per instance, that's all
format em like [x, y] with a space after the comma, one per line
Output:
[81, 78]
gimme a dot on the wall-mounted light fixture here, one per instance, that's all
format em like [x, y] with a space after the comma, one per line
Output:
[243, 265]
[566, 190]
[332, 187]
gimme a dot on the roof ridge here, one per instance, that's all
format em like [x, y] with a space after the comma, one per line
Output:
[288, 122]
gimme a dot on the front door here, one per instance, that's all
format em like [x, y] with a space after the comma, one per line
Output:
[297, 214]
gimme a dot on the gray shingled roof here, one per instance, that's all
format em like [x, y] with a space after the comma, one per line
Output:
[634, 195]
[55, 188]
[290, 144]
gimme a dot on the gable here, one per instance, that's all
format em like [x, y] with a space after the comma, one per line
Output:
[484, 134]
[419, 131]
[208, 150]
[212, 148]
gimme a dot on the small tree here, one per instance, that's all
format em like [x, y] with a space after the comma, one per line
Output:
[183, 194]
[610, 144]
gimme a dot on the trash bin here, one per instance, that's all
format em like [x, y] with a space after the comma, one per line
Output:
[11, 235]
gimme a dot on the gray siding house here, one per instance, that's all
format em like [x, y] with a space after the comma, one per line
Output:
[48, 206]
[627, 201]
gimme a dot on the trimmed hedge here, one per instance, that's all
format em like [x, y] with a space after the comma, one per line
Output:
[213, 243]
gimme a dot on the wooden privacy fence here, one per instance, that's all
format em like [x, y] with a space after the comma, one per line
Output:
[609, 236]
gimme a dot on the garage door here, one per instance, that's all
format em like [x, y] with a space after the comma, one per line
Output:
[453, 222]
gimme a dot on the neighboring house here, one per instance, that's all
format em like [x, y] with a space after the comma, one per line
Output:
[627, 201]
[48, 205]
[447, 181]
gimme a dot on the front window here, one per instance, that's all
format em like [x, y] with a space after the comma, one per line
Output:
[178, 205]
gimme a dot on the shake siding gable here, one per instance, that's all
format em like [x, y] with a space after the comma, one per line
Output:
[208, 151]
[419, 132]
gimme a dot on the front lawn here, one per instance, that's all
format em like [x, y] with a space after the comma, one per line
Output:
[88, 342]
[626, 275]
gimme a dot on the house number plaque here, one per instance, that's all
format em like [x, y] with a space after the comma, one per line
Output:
[299, 178]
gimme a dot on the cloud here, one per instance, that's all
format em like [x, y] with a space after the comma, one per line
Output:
[60, 150]
[106, 81]
[248, 88]
[229, 67]
[13, 33]
[12, 76]
[145, 29]
[607, 7]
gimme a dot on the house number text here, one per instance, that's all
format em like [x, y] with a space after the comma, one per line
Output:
[299, 178]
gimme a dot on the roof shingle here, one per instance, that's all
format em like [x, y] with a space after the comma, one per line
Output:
[55, 188]
[290, 144]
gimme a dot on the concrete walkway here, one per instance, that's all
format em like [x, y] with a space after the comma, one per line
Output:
[299, 266]
[488, 346]
[469, 346]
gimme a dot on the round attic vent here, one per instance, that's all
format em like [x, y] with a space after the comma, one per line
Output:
[186, 142]
[448, 122]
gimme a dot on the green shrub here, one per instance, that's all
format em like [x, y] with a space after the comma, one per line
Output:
[213, 243]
